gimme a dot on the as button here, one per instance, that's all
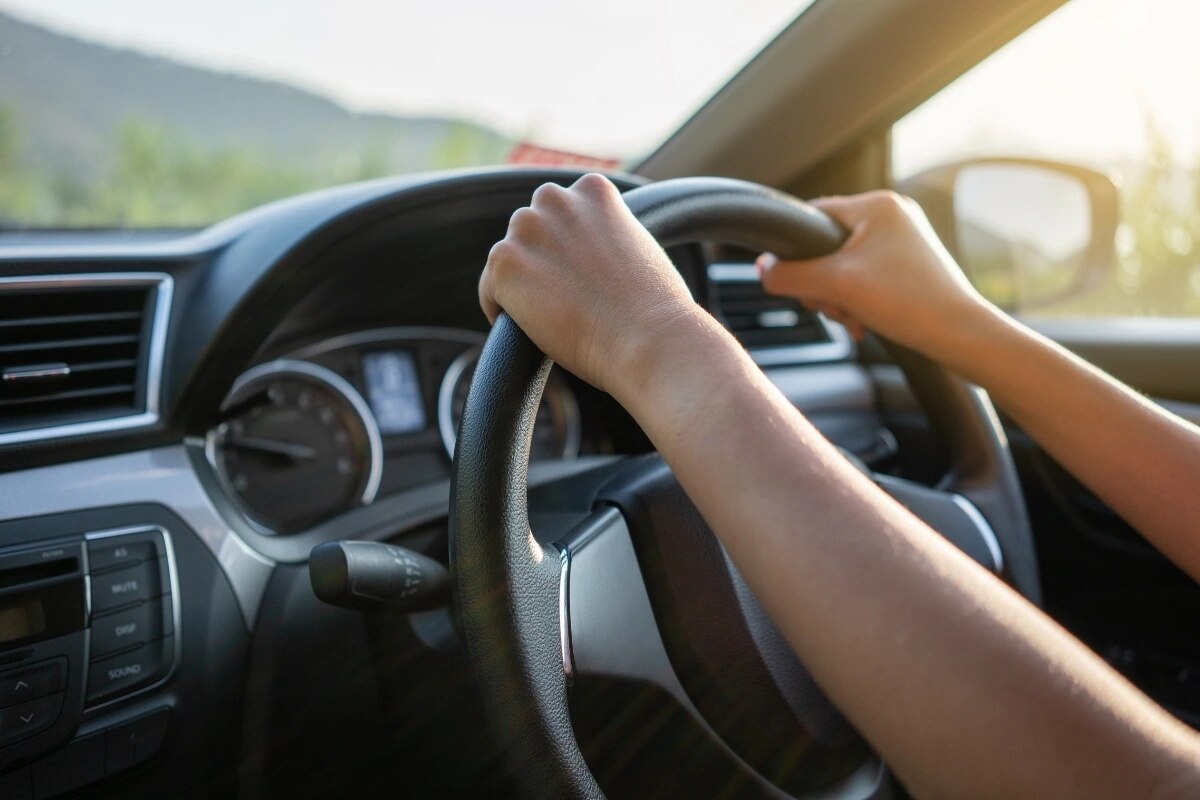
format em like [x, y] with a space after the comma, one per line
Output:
[102, 555]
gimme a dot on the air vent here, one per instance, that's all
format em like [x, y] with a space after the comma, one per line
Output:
[775, 330]
[79, 354]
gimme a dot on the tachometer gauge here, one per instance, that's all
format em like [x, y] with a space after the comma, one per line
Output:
[557, 432]
[296, 445]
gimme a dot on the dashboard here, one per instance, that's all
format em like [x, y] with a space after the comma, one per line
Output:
[184, 417]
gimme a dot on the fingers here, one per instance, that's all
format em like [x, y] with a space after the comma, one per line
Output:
[593, 184]
[825, 279]
[854, 210]
[843, 318]
[499, 258]
[487, 302]
[810, 282]
[813, 281]
[551, 211]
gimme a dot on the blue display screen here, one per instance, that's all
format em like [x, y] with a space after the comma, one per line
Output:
[394, 391]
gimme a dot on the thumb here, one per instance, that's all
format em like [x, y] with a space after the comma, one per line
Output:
[812, 280]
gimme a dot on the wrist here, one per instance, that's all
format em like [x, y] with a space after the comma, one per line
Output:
[951, 335]
[662, 357]
[971, 347]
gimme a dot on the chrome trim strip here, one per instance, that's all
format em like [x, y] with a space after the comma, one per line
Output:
[17, 374]
[475, 342]
[163, 476]
[336, 382]
[176, 616]
[985, 530]
[839, 347]
[578, 538]
[445, 401]
[381, 335]
[567, 402]
[165, 288]
[564, 615]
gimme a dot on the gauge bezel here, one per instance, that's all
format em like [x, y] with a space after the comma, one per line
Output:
[313, 372]
[555, 392]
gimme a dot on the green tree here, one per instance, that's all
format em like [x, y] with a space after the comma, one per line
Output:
[1157, 272]
[18, 187]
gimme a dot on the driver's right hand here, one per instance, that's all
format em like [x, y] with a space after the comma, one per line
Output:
[892, 276]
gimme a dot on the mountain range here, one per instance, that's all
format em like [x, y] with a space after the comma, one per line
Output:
[65, 98]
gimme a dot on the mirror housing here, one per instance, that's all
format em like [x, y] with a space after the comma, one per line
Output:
[1026, 232]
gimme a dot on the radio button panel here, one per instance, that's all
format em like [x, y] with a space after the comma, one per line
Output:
[90, 619]
[134, 612]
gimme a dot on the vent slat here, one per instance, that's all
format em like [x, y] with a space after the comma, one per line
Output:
[760, 320]
[73, 319]
[62, 344]
[72, 354]
[97, 366]
[77, 394]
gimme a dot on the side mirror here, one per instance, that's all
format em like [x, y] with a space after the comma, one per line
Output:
[1027, 233]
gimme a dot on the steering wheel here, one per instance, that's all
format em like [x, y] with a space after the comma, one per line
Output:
[638, 586]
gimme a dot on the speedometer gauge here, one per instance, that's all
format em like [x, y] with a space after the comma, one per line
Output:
[296, 445]
[556, 433]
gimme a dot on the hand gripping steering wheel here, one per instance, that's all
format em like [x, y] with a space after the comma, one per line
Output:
[640, 588]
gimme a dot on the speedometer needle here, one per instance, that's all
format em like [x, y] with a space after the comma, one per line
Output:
[296, 452]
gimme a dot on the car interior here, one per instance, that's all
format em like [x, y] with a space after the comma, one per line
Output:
[266, 484]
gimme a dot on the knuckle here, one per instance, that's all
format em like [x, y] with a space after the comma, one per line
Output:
[502, 255]
[549, 195]
[595, 184]
[523, 221]
[886, 201]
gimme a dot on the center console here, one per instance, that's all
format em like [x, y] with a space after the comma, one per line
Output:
[86, 621]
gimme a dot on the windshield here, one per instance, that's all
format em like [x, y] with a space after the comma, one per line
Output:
[139, 113]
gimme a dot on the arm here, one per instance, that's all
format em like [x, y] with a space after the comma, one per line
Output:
[962, 686]
[894, 277]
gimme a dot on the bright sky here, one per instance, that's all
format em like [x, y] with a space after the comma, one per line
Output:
[1079, 86]
[616, 77]
[609, 78]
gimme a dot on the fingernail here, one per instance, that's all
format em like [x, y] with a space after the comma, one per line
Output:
[764, 262]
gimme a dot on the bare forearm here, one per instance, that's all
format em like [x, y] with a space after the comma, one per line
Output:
[894, 277]
[1142, 461]
[894, 623]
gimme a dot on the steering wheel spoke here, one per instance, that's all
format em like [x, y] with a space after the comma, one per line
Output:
[608, 625]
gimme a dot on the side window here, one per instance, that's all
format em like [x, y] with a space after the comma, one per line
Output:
[1113, 85]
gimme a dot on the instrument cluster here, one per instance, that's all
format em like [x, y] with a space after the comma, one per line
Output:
[337, 423]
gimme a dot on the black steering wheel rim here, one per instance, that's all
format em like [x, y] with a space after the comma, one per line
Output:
[506, 585]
